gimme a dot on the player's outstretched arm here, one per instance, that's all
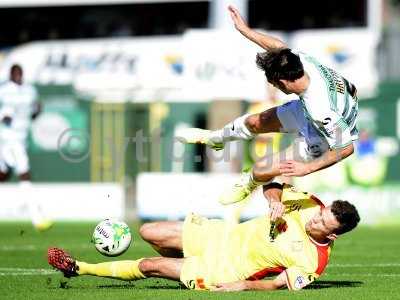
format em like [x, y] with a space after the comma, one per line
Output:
[266, 42]
[273, 191]
[329, 158]
[247, 285]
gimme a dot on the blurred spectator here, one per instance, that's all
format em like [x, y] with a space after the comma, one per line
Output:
[366, 144]
[19, 106]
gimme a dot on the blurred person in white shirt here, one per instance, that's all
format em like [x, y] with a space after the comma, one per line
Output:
[18, 107]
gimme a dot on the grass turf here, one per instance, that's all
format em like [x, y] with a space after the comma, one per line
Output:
[364, 264]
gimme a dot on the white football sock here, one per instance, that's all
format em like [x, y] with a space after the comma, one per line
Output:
[235, 130]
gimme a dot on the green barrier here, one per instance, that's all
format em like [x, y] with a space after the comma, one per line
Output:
[171, 156]
[380, 119]
[58, 142]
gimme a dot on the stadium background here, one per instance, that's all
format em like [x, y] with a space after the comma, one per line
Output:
[117, 78]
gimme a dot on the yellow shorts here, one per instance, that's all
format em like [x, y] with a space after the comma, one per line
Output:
[203, 247]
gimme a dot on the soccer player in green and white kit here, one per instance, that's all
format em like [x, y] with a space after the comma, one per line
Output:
[324, 116]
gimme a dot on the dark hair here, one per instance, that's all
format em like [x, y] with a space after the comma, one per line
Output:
[15, 67]
[346, 214]
[280, 64]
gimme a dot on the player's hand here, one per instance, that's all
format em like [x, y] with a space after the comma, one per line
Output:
[294, 168]
[237, 19]
[229, 287]
[276, 210]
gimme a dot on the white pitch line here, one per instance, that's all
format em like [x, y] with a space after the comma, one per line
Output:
[364, 265]
[44, 272]
[22, 269]
[25, 272]
[50, 272]
[35, 247]
[364, 274]
[10, 271]
[14, 248]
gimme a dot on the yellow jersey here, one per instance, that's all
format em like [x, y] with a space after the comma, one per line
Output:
[222, 253]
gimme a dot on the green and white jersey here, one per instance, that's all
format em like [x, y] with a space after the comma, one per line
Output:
[330, 103]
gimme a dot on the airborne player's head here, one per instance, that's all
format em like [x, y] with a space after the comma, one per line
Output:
[333, 220]
[282, 68]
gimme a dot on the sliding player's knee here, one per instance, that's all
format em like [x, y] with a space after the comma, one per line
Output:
[148, 231]
[157, 233]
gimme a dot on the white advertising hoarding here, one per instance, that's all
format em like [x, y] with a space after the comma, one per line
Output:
[200, 65]
[66, 201]
[221, 65]
[178, 194]
[173, 196]
[100, 64]
[351, 52]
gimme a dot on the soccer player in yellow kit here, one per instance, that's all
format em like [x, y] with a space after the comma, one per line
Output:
[214, 255]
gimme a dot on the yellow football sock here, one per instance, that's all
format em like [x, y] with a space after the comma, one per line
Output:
[124, 269]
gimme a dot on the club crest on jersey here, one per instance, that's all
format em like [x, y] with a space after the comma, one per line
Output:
[300, 282]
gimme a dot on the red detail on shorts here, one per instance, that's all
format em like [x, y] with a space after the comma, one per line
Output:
[200, 283]
[266, 272]
[319, 202]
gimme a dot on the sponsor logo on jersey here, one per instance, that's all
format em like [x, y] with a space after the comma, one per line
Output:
[300, 282]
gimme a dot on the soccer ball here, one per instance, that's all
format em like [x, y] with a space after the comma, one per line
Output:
[111, 238]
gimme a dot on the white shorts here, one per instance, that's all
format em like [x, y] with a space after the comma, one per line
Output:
[13, 156]
[310, 143]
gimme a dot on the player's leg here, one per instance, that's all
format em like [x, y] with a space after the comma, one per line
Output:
[20, 163]
[263, 172]
[26, 176]
[164, 267]
[242, 128]
[5, 174]
[287, 118]
[264, 122]
[164, 237]
[309, 145]
[5, 171]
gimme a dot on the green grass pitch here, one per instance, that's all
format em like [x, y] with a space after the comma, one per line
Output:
[364, 265]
